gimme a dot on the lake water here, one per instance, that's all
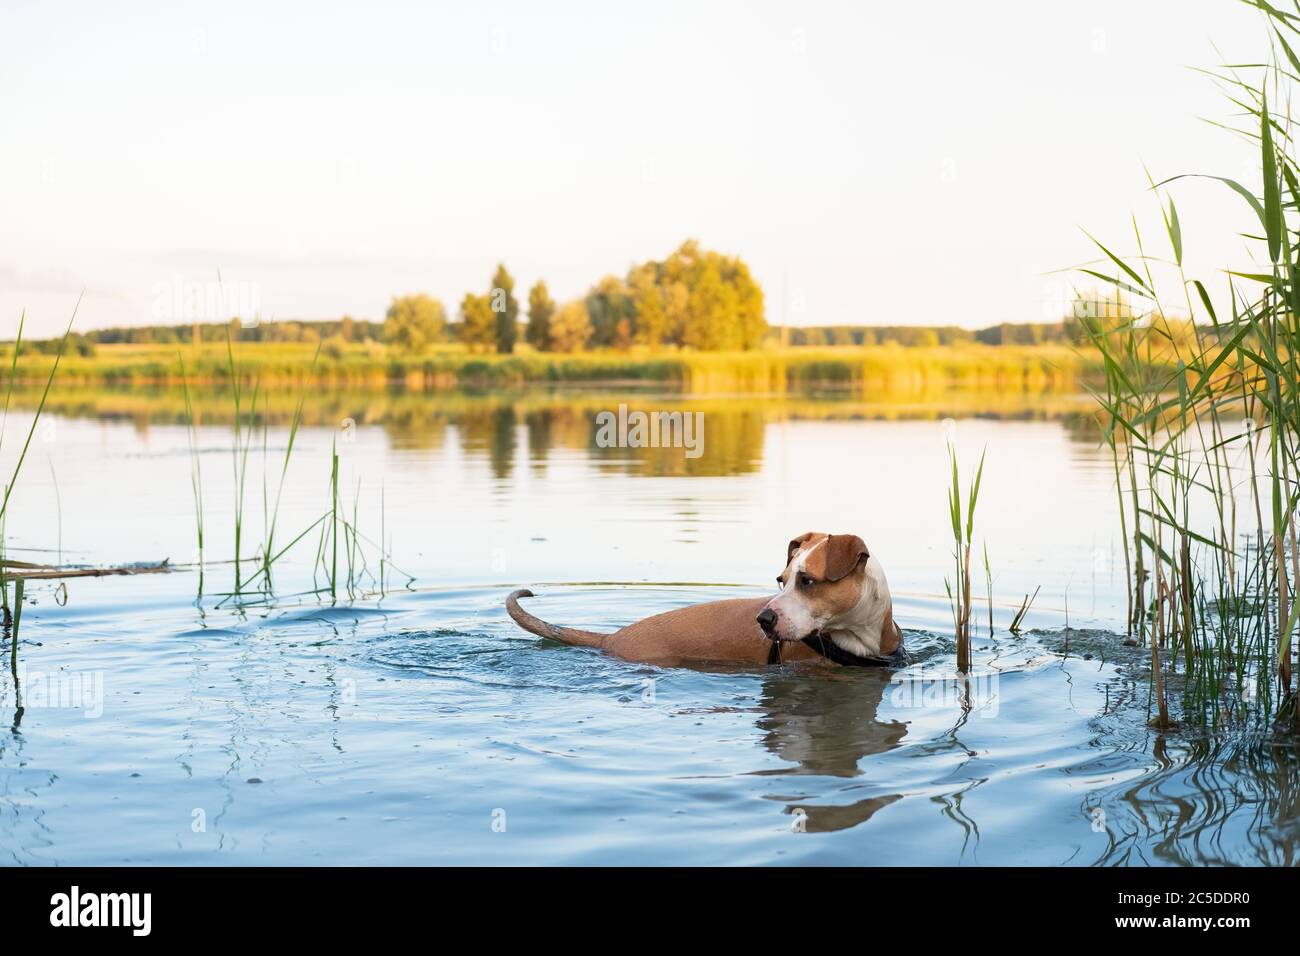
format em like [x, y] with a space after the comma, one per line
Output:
[420, 725]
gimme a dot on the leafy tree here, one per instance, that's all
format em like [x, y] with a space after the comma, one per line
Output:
[570, 327]
[478, 323]
[915, 336]
[649, 305]
[711, 312]
[506, 308]
[541, 307]
[695, 297]
[750, 321]
[414, 322]
[612, 314]
[677, 301]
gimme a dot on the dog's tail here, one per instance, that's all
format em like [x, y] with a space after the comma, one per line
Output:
[569, 635]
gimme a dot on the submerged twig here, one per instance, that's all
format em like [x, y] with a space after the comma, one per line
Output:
[22, 570]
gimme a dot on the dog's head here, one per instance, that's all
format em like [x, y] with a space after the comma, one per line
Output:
[830, 582]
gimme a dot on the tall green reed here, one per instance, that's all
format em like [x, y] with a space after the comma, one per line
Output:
[14, 617]
[1199, 403]
[242, 441]
[270, 515]
[340, 543]
[196, 469]
[963, 528]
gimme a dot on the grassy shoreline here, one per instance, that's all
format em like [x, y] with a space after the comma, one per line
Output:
[889, 369]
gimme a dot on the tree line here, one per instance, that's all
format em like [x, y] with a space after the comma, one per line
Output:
[695, 298]
[1065, 332]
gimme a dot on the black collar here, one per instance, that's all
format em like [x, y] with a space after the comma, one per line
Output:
[833, 652]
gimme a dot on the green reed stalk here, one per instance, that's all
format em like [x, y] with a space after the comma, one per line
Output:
[1223, 605]
[13, 479]
[1019, 617]
[13, 647]
[196, 466]
[17, 622]
[988, 579]
[245, 435]
[353, 545]
[268, 547]
[239, 458]
[40, 406]
[334, 519]
[962, 530]
[58, 509]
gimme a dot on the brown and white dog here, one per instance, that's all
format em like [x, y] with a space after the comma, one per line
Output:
[834, 605]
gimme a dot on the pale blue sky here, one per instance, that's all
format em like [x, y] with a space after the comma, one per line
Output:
[884, 163]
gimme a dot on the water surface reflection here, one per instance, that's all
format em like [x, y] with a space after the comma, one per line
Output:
[389, 732]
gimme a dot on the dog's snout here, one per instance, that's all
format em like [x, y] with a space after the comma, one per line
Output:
[767, 620]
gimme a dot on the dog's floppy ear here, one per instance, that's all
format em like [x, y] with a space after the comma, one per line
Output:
[797, 543]
[844, 552]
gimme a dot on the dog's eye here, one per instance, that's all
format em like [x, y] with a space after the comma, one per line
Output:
[805, 581]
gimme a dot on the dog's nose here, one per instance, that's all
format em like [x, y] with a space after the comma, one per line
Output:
[767, 620]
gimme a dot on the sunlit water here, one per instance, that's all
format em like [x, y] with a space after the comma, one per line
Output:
[422, 726]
